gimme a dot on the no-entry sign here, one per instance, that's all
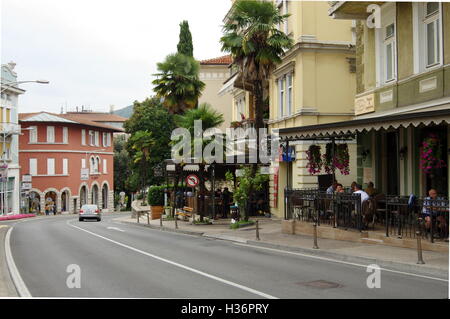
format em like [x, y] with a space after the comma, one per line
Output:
[192, 180]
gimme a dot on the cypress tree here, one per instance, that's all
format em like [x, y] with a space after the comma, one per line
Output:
[185, 43]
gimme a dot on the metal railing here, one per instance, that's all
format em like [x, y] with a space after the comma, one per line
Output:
[396, 216]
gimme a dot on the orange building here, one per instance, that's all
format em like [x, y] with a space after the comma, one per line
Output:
[70, 160]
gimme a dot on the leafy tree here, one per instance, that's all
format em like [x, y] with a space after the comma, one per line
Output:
[210, 119]
[185, 43]
[177, 83]
[122, 168]
[150, 122]
[142, 142]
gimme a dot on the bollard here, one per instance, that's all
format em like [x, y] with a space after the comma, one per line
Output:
[176, 221]
[315, 236]
[137, 214]
[419, 249]
[148, 218]
[160, 221]
[257, 230]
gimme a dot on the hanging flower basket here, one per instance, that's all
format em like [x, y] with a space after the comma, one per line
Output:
[342, 159]
[314, 158]
[431, 154]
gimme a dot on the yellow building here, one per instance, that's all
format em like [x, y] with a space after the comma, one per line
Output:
[314, 84]
[213, 72]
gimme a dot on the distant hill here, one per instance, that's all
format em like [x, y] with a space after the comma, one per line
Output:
[125, 112]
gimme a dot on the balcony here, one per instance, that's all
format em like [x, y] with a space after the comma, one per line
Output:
[9, 128]
[350, 10]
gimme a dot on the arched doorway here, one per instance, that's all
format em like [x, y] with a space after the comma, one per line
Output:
[50, 200]
[65, 201]
[34, 203]
[83, 195]
[94, 199]
[105, 196]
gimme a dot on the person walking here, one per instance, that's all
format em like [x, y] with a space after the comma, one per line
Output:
[226, 199]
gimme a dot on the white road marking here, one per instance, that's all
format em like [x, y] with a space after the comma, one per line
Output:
[15, 275]
[256, 292]
[339, 261]
[115, 228]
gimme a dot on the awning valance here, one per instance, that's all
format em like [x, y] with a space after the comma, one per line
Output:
[349, 128]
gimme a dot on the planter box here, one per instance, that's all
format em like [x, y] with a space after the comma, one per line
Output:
[156, 212]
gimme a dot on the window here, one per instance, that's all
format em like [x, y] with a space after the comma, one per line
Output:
[283, 9]
[97, 136]
[427, 35]
[33, 166]
[83, 163]
[33, 138]
[105, 171]
[91, 138]
[97, 165]
[83, 137]
[281, 96]
[108, 139]
[92, 165]
[65, 135]
[50, 166]
[104, 141]
[386, 45]
[65, 166]
[50, 134]
[289, 94]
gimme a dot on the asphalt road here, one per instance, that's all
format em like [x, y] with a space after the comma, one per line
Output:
[125, 260]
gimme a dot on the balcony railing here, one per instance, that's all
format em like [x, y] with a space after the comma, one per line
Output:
[9, 128]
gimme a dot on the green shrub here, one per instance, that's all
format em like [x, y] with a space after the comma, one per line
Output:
[156, 195]
[241, 223]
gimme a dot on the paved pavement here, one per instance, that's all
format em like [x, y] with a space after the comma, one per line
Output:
[404, 259]
[7, 288]
[120, 259]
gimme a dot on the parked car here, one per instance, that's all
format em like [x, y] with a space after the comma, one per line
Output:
[89, 212]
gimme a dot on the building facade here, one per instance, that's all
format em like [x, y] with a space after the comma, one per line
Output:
[9, 143]
[403, 74]
[402, 102]
[314, 84]
[213, 72]
[70, 161]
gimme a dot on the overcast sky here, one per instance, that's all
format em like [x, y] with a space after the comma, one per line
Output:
[99, 52]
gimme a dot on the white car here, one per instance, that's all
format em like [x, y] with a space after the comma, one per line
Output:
[89, 212]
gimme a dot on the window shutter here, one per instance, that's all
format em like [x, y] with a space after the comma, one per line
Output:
[50, 166]
[65, 135]
[50, 134]
[65, 166]
[105, 171]
[33, 166]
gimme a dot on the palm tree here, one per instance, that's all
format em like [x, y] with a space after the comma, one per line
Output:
[252, 37]
[178, 83]
[210, 119]
[141, 142]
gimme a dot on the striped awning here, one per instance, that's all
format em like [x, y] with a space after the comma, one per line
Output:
[350, 128]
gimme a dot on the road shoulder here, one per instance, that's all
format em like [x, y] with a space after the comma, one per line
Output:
[7, 288]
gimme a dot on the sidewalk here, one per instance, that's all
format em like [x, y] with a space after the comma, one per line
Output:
[7, 288]
[395, 258]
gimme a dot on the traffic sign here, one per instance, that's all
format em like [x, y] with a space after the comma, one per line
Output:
[192, 180]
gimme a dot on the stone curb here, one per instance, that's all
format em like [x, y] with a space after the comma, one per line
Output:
[392, 265]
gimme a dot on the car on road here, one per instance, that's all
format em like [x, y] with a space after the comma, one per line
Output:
[89, 212]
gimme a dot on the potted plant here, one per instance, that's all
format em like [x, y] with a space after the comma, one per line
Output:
[156, 201]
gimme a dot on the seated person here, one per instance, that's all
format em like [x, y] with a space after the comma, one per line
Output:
[340, 188]
[430, 209]
[332, 188]
[358, 190]
[371, 190]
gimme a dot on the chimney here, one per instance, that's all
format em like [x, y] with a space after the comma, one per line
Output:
[111, 109]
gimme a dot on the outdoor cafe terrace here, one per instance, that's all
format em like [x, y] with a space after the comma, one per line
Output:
[394, 216]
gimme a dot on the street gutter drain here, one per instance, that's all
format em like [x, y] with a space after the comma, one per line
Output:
[321, 284]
